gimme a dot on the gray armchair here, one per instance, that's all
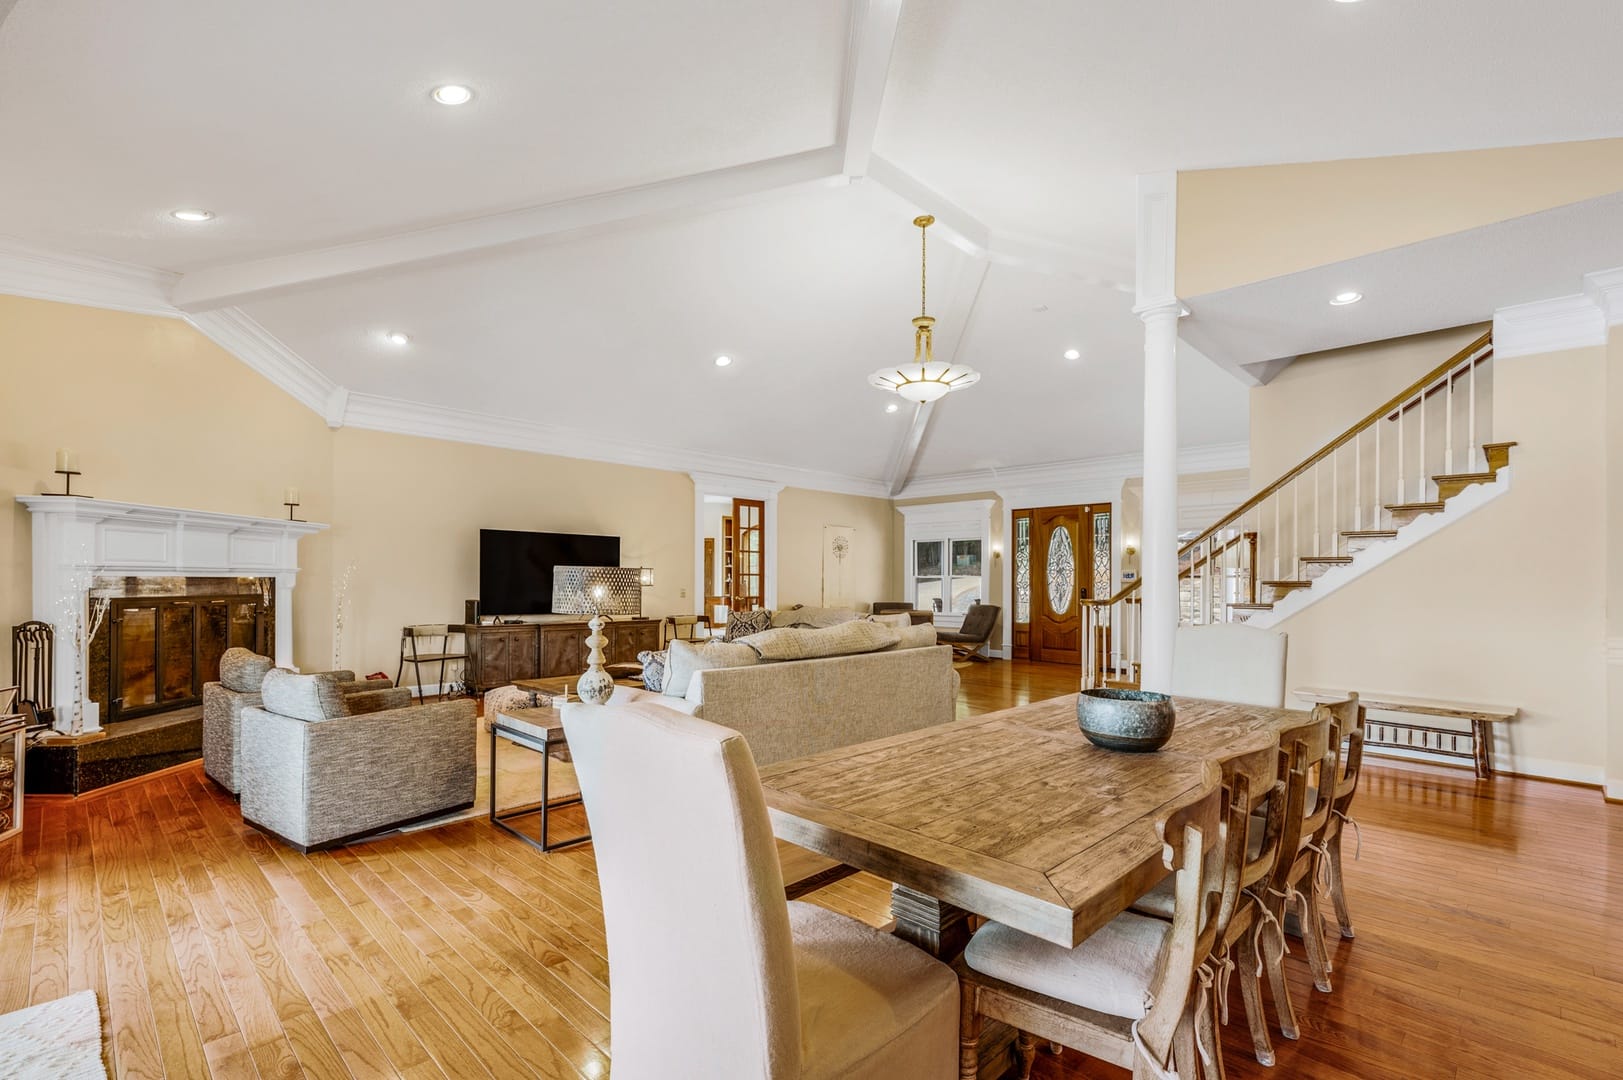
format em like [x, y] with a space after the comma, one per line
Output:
[321, 767]
[241, 672]
[975, 634]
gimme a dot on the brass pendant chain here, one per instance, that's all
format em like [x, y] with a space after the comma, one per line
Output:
[924, 263]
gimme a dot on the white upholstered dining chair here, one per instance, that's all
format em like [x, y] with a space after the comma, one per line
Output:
[1230, 662]
[712, 973]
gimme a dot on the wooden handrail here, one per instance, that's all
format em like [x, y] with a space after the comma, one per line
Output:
[1374, 416]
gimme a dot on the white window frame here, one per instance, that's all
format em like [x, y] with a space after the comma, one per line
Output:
[966, 520]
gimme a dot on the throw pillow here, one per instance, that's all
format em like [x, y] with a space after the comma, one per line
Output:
[311, 698]
[653, 670]
[744, 623]
[921, 636]
[846, 639]
[687, 658]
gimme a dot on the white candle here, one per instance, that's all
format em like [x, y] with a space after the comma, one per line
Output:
[290, 496]
[65, 461]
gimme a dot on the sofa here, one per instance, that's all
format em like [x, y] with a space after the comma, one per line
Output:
[320, 767]
[241, 673]
[794, 707]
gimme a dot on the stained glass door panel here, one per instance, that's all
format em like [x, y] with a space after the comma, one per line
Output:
[1056, 617]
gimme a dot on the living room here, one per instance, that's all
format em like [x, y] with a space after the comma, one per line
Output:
[1232, 459]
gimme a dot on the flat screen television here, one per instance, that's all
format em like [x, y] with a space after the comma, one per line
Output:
[515, 568]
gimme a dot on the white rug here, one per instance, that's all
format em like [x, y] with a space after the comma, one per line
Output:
[58, 1040]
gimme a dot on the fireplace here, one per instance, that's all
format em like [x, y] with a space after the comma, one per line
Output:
[188, 584]
[163, 639]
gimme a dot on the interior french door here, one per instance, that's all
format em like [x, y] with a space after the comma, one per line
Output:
[1062, 557]
[749, 573]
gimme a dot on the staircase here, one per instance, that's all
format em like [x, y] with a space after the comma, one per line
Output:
[1409, 468]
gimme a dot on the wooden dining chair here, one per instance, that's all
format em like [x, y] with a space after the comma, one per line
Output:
[1123, 995]
[1254, 813]
[1350, 715]
[712, 973]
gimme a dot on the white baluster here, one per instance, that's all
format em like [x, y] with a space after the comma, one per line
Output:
[1470, 422]
[1377, 512]
[1358, 479]
[1402, 418]
[1335, 501]
[1277, 535]
[1448, 423]
[1316, 507]
[1420, 479]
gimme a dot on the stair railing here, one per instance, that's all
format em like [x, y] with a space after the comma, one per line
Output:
[1359, 486]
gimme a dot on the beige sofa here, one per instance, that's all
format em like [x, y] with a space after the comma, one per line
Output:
[797, 707]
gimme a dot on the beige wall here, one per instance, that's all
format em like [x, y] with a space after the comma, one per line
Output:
[1614, 565]
[157, 414]
[1242, 225]
[410, 511]
[801, 517]
[1323, 394]
[1502, 606]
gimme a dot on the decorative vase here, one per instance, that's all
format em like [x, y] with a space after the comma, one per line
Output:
[596, 685]
[1137, 721]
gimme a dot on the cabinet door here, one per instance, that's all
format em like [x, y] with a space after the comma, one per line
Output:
[523, 656]
[563, 650]
[494, 664]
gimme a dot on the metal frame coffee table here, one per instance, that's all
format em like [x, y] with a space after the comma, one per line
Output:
[541, 730]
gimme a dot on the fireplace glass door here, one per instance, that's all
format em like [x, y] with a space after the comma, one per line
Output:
[165, 649]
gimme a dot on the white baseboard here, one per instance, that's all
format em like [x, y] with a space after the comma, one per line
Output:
[430, 690]
[1614, 791]
[1537, 768]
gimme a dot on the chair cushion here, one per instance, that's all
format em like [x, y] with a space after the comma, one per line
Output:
[303, 697]
[685, 658]
[1109, 973]
[243, 670]
[371, 701]
[872, 1007]
[744, 623]
[808, 643]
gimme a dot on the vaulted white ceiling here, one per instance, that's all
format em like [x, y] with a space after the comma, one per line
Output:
[638, 187]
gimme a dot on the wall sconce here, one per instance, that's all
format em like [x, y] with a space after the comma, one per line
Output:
[997, 551]
[645, 577]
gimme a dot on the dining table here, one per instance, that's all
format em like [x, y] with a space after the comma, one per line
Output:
[1013, 816]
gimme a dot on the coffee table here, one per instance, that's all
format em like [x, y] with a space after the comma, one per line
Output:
[541, 730]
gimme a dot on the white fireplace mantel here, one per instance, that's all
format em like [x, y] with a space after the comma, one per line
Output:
[77, 538]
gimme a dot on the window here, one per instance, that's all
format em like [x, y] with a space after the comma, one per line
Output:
[949, 557]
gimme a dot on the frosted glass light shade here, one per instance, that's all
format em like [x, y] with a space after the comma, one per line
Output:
[925, 382]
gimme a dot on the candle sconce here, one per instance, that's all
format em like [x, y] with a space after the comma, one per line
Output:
[67, 468]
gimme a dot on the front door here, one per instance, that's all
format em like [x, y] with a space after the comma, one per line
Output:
[1068, 561]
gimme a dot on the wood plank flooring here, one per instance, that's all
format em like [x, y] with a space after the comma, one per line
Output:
[1489, 918]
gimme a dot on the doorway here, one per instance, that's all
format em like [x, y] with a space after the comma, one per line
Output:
[1062, 557]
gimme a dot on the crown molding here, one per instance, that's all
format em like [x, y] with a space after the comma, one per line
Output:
[1076, 475]
[235, 332]
[374, 412]
[1579, 321]
[40, 274]
[1605, 289]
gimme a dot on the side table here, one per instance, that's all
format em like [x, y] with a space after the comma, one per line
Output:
[13, 735]
[541, 730]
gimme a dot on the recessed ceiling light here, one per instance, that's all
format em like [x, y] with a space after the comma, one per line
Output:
[892, 407]
[723, 361]
[1342, 299]
[452, 94]
[191, 215]
[396, 337]
[1072, 354]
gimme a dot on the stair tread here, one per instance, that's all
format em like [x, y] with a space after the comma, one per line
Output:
[1485, 476]
[1414, 506]
[1332, 559]
[1298, 583]
[1253, 607]
[1497, 445]
[1361, 534]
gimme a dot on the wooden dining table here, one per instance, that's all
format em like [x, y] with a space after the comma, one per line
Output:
[1013, 815]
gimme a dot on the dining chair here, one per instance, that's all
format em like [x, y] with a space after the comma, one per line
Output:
[712, 972]
[1123, 994]
[1254, 812]
[1350, 715]
[1230, 662]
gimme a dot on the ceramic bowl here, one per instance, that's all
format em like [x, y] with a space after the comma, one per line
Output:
[1137, 721]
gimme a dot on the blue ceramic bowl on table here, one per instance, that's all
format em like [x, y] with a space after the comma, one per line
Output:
[1137, 721]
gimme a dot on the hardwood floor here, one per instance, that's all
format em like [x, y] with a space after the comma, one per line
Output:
[1488, 941]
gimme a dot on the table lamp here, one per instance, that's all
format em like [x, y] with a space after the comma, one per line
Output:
[598, 591]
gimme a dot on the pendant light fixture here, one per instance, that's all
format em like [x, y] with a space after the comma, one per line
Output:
[925, 379]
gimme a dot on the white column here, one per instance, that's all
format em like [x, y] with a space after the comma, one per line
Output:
[284, 620]
[1159, 544]
[1159, 307]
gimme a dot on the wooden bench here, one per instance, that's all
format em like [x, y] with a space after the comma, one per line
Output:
[1435, 740]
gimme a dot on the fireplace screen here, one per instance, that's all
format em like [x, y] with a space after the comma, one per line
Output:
[164, 649]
